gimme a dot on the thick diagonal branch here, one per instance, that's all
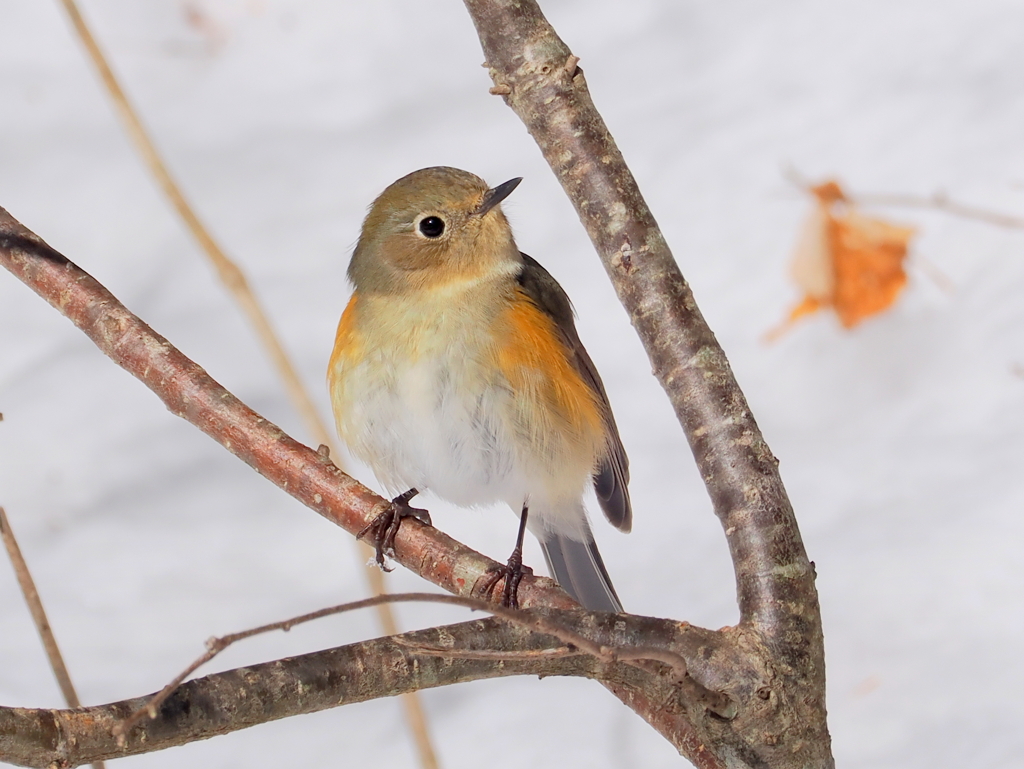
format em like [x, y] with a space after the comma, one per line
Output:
[539, 78]
[192, 394]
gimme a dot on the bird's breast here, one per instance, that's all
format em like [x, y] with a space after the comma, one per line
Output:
[415, 398]
[476, 401]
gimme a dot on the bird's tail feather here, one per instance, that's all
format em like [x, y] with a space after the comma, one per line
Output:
[578, 568]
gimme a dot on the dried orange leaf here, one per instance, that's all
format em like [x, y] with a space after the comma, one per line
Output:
[868, 255]
[812, 266]
[846, 261]
[806, 307]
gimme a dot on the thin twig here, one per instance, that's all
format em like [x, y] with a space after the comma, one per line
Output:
[35, 607]
[237, 284]
[717, 702]
[938, 200]
[941, 202]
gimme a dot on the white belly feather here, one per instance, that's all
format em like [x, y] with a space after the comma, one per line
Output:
[434, 424]
[438, 416]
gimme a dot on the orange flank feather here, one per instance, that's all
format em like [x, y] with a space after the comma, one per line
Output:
[346, 339]
[535, 363]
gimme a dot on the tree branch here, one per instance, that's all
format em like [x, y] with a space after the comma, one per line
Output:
[192, 394]
[556, 627]
[237, 699]
[529, 642]
[538, 77]
[546, 89]
[189, 392]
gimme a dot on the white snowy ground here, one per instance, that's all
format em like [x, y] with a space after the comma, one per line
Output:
[901, 443]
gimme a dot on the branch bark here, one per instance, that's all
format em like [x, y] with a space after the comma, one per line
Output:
[539, 78]
[237, 699]
[190, 393]
[383, 667]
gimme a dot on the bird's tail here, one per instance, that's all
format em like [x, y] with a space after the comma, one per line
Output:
[578, 568]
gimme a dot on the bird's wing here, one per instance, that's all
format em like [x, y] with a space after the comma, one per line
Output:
[612, 476]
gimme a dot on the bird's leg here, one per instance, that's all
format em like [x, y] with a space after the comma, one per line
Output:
[383, 529]
[514, 567]
[512, 571]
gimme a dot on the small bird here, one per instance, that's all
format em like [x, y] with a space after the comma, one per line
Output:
[457, 368]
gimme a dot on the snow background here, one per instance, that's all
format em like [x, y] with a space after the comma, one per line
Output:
[901, 443]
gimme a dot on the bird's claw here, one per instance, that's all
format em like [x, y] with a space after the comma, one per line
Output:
[383, 529]
[512, 573]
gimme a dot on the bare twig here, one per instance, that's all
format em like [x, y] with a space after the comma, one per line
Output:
[35, 607]
[235, 281]
[241, 698]
[941, 202]
[715, 701]
[938, 200]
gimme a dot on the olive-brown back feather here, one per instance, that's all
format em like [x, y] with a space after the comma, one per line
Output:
[611, 478]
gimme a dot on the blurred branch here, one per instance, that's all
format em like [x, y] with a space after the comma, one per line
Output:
[538, 77]
[35, 607]
[938, 200]
[235, 281]
[229, 272]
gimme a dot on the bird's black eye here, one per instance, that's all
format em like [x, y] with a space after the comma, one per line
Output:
[432, 226]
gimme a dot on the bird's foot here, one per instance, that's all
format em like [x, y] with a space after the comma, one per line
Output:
[381, 531]
[512, 573]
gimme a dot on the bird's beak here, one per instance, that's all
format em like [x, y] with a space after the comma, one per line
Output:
[497, 194]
